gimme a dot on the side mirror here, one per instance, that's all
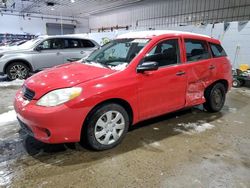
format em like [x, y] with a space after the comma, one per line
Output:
[38, 48]
[147, 66]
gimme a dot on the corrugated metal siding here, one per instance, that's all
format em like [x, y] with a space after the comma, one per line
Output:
[158, 14]
[82, 26]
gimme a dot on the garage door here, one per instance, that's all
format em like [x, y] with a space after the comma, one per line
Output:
[56, 29]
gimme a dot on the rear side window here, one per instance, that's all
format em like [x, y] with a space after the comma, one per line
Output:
[196, 50]
[72, 43]
[217, 50]
[87, 44]
[78, 43]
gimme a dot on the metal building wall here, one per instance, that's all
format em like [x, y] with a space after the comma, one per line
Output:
[170, 13]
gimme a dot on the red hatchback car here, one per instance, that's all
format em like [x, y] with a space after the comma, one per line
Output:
[135, 77]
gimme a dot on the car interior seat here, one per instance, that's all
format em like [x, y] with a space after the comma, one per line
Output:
[196, 54]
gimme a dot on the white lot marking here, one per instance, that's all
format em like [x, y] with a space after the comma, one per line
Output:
[192, 128]
[11, 83]
[7, 118]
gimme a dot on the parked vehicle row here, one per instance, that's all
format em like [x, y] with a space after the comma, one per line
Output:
[160, 72]
[11, 43]
[43, 52]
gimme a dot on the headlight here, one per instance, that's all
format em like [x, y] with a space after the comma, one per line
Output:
[59, 96]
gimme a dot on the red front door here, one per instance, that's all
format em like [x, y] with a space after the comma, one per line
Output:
[163, 90]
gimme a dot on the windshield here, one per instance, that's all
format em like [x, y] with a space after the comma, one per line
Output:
[30, 43]
[118, 52]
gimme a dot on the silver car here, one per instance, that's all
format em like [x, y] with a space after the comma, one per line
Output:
[43, 52]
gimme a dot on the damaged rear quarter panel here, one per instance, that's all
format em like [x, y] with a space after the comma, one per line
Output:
[199, 77]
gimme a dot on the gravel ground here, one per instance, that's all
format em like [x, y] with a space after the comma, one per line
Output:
[190, 148]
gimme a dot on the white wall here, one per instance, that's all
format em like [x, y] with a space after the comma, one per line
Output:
[18, 25]
[82, 25]
[232, 39]
[150, 14]
[235, 40]
[168, 14]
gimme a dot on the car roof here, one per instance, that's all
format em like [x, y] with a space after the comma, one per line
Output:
[64, 36]
[164, 33]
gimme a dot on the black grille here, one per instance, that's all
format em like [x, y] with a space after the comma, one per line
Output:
[28, 94]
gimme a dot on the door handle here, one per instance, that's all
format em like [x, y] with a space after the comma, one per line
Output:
[82, 52]
[211, 67]
[180, 73]
[58, 53]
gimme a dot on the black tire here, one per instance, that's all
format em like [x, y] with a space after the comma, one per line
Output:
[91, 126]
[242, 82]
[236, 83]
[17, 70]
[215, 97]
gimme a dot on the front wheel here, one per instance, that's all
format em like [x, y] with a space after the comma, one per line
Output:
[107, 127]
[17, 70]
[215, 97]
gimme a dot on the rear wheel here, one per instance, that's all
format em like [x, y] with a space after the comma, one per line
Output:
[17, 70]
[107, 127]
[215, 97]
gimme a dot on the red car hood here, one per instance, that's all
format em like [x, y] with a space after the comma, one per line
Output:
[62, 76]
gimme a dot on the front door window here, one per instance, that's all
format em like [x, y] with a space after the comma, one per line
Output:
[51, 44]
[165, 53]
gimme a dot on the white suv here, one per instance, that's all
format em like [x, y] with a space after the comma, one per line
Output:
[43, 52]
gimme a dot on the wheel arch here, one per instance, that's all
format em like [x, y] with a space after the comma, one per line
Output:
[18, 60]
[222, 81]
[209, 105]
[118, 101]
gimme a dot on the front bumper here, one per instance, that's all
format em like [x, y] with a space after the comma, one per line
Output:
[58, 124]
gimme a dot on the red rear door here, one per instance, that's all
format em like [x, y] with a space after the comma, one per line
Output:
[200, 70]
